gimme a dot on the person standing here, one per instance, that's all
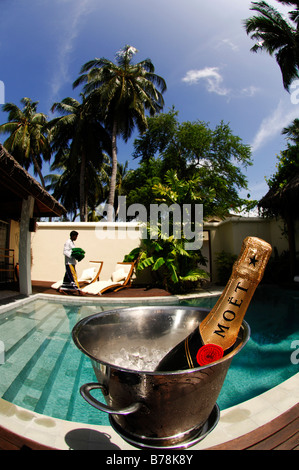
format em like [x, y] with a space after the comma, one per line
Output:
[70, 281]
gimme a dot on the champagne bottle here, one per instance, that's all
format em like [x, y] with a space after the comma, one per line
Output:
[217, 333]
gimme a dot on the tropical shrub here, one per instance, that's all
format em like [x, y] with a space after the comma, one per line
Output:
[172, 267]
[224, 263]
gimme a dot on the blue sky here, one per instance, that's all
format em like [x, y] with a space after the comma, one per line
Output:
[199, 48]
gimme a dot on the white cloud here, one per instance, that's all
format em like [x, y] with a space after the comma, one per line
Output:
[214, 83]
[212, 78]
[70, 33]
[273, 124]
[250, 91]
[229, 43]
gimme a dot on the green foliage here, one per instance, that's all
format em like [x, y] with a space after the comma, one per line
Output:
[122, 92]
[277, 35]
[172, 267]
[160, 131]
[282, 198]
[224, 263]
[28, 141]
[79, 142]
[139, 183]
[211, 158]
[186, 163]
[287, 167]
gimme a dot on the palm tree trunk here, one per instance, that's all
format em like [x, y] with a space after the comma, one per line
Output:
[113, 175]
[38, 170]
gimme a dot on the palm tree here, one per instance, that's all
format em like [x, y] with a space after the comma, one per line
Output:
[28, 142]
[122, 91]
[122, 170]
[277, 35]
[98, 190]
[292, 131]
[79, 133]
[63, 182]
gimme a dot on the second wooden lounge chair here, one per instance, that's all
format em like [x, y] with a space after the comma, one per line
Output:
[120, 279]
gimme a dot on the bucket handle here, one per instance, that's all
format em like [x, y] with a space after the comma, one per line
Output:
[85, 393]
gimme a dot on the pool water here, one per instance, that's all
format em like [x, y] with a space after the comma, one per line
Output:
[43, 370]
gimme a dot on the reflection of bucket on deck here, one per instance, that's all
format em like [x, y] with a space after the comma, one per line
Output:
[153, 409]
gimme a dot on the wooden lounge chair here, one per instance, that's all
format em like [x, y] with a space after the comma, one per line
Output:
[87, 277]
[120, 279]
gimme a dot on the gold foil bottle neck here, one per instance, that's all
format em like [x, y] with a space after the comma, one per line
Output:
[222, 324]
[253, 258]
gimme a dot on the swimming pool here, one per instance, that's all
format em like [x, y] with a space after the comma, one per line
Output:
[43, 370]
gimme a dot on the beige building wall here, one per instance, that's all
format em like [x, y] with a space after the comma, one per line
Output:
[228, 236]
[14, 238]
[107, 242]
[110, 242]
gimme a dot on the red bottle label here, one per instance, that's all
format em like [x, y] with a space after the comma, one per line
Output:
[209, 353]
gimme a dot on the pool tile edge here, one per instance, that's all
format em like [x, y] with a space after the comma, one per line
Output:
[234, 422]
[63, 435]
[251, 414]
